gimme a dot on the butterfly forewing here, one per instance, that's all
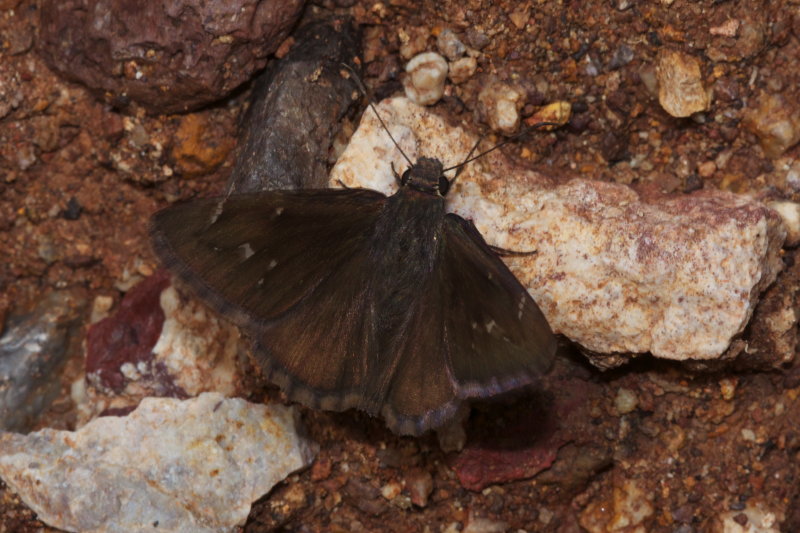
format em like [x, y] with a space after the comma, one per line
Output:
[254, 256]
[497, 338]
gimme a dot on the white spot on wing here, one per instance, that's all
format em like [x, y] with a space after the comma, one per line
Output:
[260, 282]
[247, 250]
[272, 264]
[217, 212]
[276, 213]
[490, 326]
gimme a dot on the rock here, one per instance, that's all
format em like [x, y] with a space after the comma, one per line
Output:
[756, 517]
[462, 69]
[159, 343]
[420, 485]
[477, 524]
[450, 45]
[557, 112]
[412, 41]
[790, 214]
[776, 123]
[297, 107]
[522, 440]
[34, 348]
[426, 73]
[476, 38]
[625, 401]
[681, 92]
[169, 57]
[192, 151]
[622, 56]
[499, 104]
[171, 466]
[127, 338]
[615, 271]
[629, 507]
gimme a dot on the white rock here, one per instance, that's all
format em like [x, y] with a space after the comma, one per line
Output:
[678, 277]
[197, 348]
[169, 466]
[500, 104]
[427, 72]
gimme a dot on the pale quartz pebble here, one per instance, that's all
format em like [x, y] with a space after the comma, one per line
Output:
[426, 73]
[193, 465]
[677, 276]
[790, 214]
[680, 84]
[500, 103]
[625, 401]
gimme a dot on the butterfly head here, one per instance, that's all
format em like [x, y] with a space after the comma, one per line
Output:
[426, 175]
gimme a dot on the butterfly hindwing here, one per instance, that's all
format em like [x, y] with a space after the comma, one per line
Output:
[496, 337]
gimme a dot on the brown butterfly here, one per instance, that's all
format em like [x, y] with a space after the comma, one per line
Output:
[353, 299]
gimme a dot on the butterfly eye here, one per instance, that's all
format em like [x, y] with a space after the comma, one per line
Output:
[406, 177]
[444, 185]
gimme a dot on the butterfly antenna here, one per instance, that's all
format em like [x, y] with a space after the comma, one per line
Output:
[364, 91]
[470, 158]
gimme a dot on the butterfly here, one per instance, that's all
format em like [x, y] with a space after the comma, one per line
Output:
[355, 299]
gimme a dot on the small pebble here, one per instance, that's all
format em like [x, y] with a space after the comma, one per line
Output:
[727, 387]
[420, 486]
[412, 42]
[626, 401]
[621, 57]
[681, 91]
[391, 490]
[776, 123]
[485, 525]
[477, 39]
[500, 104]
[559, 112]
[449, 45]
[790, 215]
[748, 435]
[462, 69]
[424, 84]
[706, 169]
